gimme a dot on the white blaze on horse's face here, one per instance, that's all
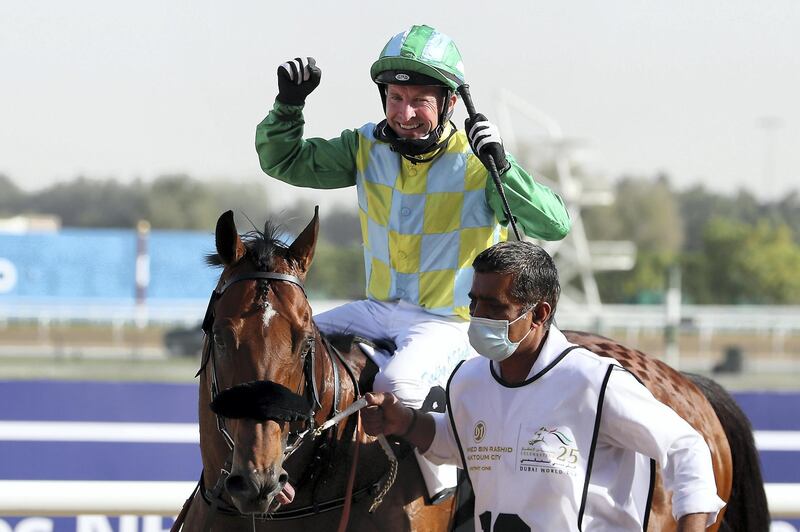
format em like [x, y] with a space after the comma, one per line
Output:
[269, 312]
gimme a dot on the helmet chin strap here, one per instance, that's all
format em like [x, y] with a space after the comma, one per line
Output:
[412, 149]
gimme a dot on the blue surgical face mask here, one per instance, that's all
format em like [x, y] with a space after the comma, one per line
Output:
[490, 337]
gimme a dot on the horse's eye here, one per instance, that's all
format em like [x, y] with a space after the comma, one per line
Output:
[219, 341]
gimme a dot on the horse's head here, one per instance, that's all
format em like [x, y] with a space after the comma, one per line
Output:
[259, 331]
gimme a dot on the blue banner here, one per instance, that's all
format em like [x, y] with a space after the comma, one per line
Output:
[101, 263]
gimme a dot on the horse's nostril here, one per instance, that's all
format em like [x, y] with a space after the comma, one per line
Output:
[236, 484]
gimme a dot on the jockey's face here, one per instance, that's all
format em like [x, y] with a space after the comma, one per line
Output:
[412, 111]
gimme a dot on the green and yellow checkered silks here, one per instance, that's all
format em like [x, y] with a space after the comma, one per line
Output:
[424, 50]
[423, 223]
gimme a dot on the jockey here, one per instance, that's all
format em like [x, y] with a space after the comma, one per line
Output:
[426, 203]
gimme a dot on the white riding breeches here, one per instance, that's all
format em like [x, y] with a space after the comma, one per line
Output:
[428, 346]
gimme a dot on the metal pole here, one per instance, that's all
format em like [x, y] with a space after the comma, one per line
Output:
[142, 272]
[673, 316]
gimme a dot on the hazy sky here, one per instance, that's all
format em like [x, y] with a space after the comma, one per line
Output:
[138, 89]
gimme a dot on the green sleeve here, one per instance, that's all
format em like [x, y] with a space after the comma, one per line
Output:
[312, 163]
[539, 212]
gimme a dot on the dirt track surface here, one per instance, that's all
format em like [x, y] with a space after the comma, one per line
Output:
[90, 352]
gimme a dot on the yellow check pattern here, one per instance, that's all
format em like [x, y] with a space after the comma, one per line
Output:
[423, 224]
[380, 202]
[442, 212]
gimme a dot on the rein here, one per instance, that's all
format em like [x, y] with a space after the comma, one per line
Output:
[297, 437]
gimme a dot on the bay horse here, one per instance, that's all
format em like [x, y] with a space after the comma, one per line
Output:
[269, 374]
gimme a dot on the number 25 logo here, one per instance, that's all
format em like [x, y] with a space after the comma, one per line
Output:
[569, 456]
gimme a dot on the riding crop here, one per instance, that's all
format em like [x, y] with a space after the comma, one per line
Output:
[490, 163]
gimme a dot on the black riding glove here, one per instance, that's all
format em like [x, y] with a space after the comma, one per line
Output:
[297, 78]
[484, 139]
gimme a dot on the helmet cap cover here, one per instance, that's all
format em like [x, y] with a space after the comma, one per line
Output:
[421, 54]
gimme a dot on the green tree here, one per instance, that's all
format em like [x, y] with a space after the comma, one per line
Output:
[644, 211]
[698, 206]
[11, 197]
[337, 272]
[294, 218]
[647, 213]
[645, 283]
[87, 202]
[341, 227]
[178, 202]
[650, 215]
[247, 199]
[743, 263]
[787, 210]
[338, 268]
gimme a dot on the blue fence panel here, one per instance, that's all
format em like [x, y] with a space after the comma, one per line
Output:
[101, 263]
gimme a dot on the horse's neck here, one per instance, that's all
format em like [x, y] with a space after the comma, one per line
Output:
[362, 368]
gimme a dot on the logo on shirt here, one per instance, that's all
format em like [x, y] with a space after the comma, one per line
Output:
[562, 438]
[479, 432]
[550, 450]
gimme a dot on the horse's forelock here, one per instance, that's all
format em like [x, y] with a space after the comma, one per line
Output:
[264, 246]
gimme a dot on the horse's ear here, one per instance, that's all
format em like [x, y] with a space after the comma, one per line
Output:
[302, 249]
[229, 246]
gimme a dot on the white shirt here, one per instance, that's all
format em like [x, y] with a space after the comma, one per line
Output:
[632, 420]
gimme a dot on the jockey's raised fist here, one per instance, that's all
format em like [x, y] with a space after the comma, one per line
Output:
[297, 78]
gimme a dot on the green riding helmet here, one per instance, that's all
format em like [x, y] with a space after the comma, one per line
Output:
[420, 56]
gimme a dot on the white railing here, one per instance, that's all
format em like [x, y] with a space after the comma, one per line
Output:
[699, 317]
[67, 498]
[54, 498]
[762, 318]
[783, 500]
[113, 311]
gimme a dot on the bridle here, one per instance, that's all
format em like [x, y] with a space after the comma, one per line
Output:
[296, 437]
[307, 357]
